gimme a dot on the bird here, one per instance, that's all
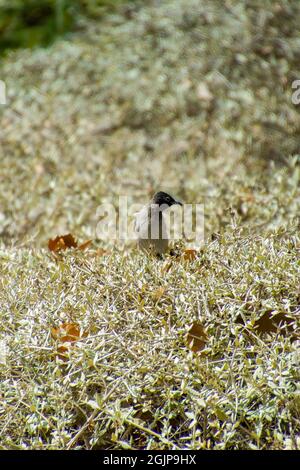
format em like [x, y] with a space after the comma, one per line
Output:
[150, 226]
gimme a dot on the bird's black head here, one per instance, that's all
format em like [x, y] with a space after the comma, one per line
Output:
[162, 198]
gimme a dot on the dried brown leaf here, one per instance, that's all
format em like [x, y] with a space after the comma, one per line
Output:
[269, 323]
[197, 337]
[61, 242]
[189, 255]
[83, 246]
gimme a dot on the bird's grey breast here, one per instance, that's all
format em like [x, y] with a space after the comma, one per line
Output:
[151, 229]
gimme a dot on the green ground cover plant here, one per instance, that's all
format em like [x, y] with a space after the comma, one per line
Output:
[190, 97]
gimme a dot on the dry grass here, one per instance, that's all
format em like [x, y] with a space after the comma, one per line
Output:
[119, 110]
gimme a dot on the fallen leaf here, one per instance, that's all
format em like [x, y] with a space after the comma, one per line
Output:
[66, 335]
[66, 332]
[189, 255]
[62, 351]
[196, 337]
[84, 245]
[61, 242]
[99, 252]
[268, 323]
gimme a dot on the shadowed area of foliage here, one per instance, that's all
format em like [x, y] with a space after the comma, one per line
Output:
[38, 22]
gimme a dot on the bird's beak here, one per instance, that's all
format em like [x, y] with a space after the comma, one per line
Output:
[178, 203]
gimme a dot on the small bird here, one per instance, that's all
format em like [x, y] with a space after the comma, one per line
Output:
[150, 225]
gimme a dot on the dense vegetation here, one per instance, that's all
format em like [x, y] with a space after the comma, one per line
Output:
[191, 97]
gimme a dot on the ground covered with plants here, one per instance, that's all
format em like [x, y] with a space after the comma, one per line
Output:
[102, 347]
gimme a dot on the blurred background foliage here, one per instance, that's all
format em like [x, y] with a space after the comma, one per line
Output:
[30, 23]
[174, 94]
